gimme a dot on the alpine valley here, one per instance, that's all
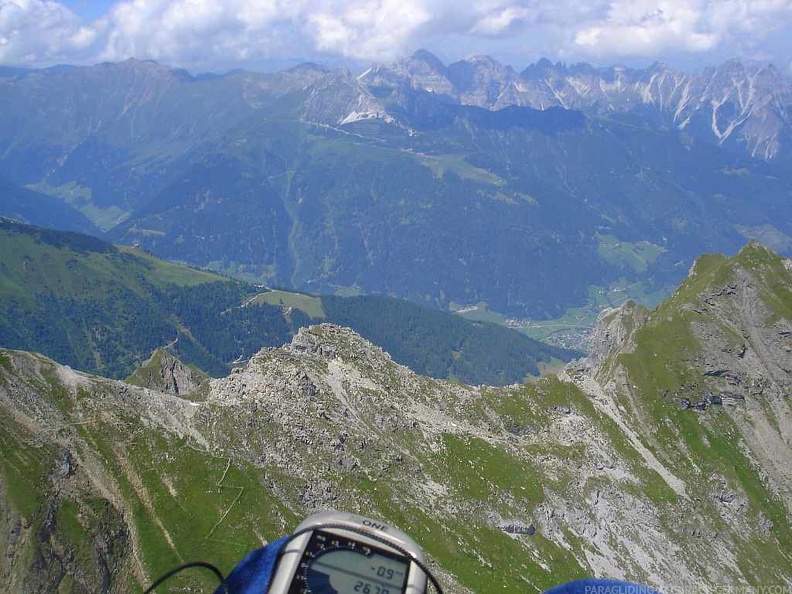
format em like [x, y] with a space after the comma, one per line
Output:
[459, 185]
[230, 300]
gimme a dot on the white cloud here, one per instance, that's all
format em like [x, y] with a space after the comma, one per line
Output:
[649, 27]
[195, 31]
[210, 33]
[40, 31]
[368, 29]
[501, 20]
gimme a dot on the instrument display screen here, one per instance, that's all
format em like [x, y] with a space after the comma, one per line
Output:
[334, 564]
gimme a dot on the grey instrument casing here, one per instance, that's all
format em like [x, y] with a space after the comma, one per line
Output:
[293, 552]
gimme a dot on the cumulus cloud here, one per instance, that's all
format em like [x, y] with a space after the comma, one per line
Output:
[497, 20]
[202, 30]
[41, 31]
[207, 33]
[367, 28]
[649, 27]
[196, 31]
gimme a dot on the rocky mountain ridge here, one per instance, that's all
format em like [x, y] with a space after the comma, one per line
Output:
[737, 341]
[612, 468]
[741, 105]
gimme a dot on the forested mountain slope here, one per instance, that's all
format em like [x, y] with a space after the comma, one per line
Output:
[319, 180]
[104, 308]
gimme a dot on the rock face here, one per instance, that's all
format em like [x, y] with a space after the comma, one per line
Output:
[745, 106]
[613, 333]
[166, 373]
[598, 471]
[707, 375]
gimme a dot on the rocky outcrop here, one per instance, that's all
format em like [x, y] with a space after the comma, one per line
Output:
[166, 373]
[615, 330]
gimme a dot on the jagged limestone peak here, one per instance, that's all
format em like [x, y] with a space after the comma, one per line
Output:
[429, 59]
[323, 347]
[165, 372]
[332, 365]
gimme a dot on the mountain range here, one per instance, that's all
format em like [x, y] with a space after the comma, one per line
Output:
[741, 106]
[154, 412]
[662, 458]
[453, 185]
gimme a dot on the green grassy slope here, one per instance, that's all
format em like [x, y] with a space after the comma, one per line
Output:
[724, 334]
[110, 476]
[161, 501]
[449, 465]
[104, 309]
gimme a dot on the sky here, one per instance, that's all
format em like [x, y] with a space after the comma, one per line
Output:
[204, 35]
